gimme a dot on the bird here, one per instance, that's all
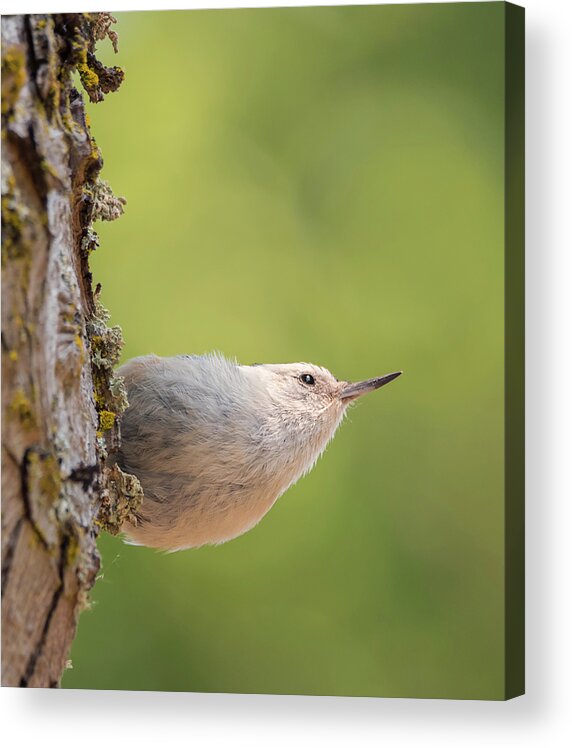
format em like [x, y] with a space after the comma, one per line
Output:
[215, 443]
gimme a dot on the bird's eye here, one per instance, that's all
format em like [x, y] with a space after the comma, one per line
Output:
[307, 379]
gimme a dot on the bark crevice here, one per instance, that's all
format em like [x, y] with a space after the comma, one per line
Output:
[38, 649]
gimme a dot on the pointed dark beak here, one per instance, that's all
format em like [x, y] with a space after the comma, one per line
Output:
[352, 390]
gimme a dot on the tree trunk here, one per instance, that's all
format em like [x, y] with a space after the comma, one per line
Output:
[60, 400]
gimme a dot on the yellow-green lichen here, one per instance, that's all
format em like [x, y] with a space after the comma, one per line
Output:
[72, 550]
[14, 245]
[88, 77]
[13, 78]
[47, 168]
[49, 479]
[96, 78]
[21, 408]
[106, 420]
[109, 392]
[80, 346]
[43, 483]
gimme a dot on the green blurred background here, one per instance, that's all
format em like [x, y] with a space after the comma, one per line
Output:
[319, 184]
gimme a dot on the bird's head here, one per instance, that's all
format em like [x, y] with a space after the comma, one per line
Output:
[312, 396]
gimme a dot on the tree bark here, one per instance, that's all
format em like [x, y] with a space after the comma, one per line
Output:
[60, 401]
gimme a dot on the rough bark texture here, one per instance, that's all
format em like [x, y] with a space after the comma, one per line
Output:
[60, 401]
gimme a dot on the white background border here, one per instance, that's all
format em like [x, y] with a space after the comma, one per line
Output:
[543, 715]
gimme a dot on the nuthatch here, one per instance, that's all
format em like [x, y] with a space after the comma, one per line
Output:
[214, 443]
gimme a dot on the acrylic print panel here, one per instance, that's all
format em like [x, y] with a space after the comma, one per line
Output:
[340, 185]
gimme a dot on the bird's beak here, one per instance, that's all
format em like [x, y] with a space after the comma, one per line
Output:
[352, 390]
